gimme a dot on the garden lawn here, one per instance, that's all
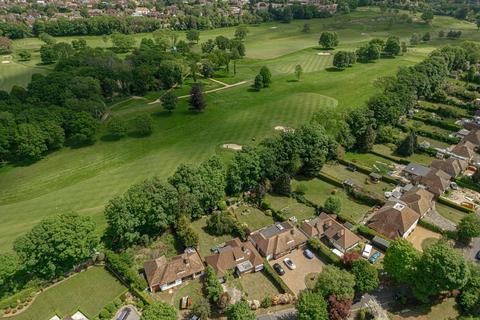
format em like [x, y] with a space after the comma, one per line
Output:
[257, 286]
[371, 161]
[290, 206]
[362, 180]
[318, 191]
[193, 289]
[205, 240]
[252, 217]
[88, 291]
[420, 158]
[449, 213]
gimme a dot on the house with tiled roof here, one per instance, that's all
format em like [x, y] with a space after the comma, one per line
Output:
[464, 150]
[453, 166]
[327, 227]
[436, 181]
[163, 274]
[394, 219]
[277, 240]
[419, 200]
[473, 137]
[241, 257]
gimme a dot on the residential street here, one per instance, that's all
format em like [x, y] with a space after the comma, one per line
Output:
[289, 314]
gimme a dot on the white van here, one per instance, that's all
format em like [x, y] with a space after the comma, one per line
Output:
[367, 251]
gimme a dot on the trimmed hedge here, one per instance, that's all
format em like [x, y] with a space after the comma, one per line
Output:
[275, 278]
[328, 178]
[437, 136]
[449, 203]
[466, 182]
[438, 123]
[370, 233]
[393, 159]
[323, 251]
[366, 170]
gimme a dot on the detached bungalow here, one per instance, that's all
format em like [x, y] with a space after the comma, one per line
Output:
[326, 226]
[162, 274]
[464, 150]
[277, 240]
[235, 255]
[419, 200]
[394, 219]
[453, 166]
[436, 181]
[414, 171]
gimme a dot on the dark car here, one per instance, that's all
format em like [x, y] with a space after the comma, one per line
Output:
[278, 268]
[477, 256]
[124, 314]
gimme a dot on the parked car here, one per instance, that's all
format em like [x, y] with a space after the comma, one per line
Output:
[366, 251]
[124, 314]
[454, 185]
[307, 253]
[289, 263]
[374, 257]
[278, 268]
[477, 256]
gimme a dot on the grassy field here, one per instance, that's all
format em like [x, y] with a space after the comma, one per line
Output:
[83, 180]
[88, 292]
[291, 207]
[318, 191]
[449, 213]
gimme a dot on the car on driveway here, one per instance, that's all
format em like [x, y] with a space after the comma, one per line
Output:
[477, 256]
[289, 263]
[307, 253]
[278, 268]
[374, 257]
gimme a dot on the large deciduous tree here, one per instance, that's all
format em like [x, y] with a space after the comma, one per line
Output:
[159, 310]
[469, 227]
[335, 281]
[311, 306]
[197, 101]
[401, 260]
[366, 276]
[328, 40]
[57, 244]
[240, 310]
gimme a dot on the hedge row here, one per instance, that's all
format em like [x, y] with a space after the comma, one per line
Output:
[323, 251]
[369, 233]
[275, 278]
[437, 229]
[451, 204]
[22, 296]
[332, 180]
[465, 182]
[428, 134]
[393, 159]
[438, 123]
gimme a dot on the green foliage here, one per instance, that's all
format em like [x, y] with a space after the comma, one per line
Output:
[469, 227]
[222, 222]
[258, 82]
[368, 52]
[24, 55]
[193, 35]
[147, 208]
[122, 43]
[266, 302]
[298, 71]
[282, 185]
[333, 204]
[366, 276]
[117, 127]
[392, 46]
[241, 33]
[30, 142]
[328, 40]
[142, 124]
[440, 268]
[266, 76]
[469, 299]
[240, 310]
[311, 306]
[344, 59]
[57, 244]
[9, 266]
[400, 260]
[6, 46]
[201, 308]
[169, 101]
[213, 287]
[122, 265]
[335, 281]
[275, 278]
[322, 250]
[81, 128]
[187, 235]
[409, 145]
[197, 101]
[159, 310]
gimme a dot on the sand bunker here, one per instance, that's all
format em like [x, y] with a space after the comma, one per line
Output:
[232, 146]
[6, 61]
[284, 129]
[273, 28]
[324, 54]
[364, 34]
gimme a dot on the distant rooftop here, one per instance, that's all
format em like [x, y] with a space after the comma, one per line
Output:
[416, 169]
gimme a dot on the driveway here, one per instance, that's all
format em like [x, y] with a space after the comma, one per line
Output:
[470, 251]
[134, 315]
[289, 314]
[418, 235]
[295, 279]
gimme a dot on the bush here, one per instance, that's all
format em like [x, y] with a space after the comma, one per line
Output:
[323, 251]
[333, 204]
[266, 302]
